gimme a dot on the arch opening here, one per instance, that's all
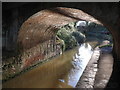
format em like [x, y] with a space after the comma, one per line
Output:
[37, 29]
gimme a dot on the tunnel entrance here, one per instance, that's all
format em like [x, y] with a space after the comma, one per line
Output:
[34, 31]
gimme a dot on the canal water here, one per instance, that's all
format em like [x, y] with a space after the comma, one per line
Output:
[63, 71]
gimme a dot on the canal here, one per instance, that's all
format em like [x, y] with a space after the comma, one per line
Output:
[62, 71]
[47, 75]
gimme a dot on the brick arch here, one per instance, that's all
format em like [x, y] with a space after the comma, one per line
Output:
[43, 25]
[66, 15]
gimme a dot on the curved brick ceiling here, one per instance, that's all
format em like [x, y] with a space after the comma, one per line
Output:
[43, 25]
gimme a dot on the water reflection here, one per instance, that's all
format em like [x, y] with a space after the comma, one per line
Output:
[79, 62]
[63, 71]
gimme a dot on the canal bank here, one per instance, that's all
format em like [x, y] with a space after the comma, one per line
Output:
[99, 69]
[88, 77]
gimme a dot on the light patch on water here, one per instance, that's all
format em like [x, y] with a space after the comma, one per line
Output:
[61, 80]
[80, 61]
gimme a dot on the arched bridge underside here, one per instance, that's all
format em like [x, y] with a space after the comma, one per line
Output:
[43, 25]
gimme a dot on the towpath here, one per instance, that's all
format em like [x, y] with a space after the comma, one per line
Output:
[98, 70]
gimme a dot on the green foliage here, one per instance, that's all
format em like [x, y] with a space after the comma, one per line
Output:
[98, 31]
[70, 42]
[70, 36]
[80, 38]
[68, 39]
[108, 45]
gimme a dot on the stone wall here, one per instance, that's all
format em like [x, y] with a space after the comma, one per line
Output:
[30, 57]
